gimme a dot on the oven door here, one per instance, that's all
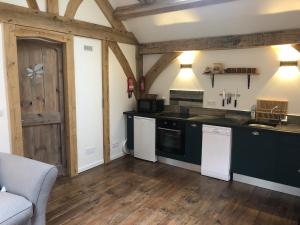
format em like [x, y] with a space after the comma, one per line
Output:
[170, 141]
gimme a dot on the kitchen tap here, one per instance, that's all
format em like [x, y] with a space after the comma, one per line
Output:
[273, 109]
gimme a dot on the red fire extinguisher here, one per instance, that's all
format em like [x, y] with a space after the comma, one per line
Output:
[142, 84]
[130, 86]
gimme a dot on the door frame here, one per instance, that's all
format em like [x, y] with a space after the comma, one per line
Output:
[11, 34]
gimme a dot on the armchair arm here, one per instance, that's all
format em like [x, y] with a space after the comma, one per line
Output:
[30, 179]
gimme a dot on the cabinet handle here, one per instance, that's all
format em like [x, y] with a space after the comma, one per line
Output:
[129, 117]
[255, 133]
[193, 125]
[299, 171]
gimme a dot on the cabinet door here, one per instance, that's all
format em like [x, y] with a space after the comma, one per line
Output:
[288, 160]
[253, 153]
[193, 142]
[130, 141]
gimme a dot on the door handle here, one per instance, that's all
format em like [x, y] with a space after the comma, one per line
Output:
[298, 171]
[193, 125]
[255, 133]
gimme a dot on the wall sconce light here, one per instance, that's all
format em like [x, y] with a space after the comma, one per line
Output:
[288, 63]
[185, 66]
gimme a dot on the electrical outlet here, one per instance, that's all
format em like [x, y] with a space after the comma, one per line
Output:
[90, 150]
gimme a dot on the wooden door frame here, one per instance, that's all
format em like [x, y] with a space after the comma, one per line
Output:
[11, 34]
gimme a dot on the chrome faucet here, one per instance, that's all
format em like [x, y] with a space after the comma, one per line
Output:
[273, 109]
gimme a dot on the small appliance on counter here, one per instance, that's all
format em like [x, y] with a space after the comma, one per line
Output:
[146, 105]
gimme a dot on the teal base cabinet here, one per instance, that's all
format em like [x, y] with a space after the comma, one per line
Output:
[193, 142]
[268, 155]
[129, 130]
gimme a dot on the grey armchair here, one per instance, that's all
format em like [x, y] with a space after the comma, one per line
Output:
[28, 184]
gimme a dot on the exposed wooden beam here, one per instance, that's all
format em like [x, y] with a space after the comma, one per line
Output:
[27, 17]
[161, 64]
[139, 66]
[108, 11]
[161, 6]
[224, 42]
[124, 63]
[10, 44]
[297, 47]
[33, 4]
[105, 90]
[52, 6]
[72, 8]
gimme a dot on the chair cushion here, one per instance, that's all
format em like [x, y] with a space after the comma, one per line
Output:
[15, 209]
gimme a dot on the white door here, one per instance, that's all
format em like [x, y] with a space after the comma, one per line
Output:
[88, 84]
[144, 138]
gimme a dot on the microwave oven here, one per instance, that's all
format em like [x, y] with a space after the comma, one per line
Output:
[150, 105]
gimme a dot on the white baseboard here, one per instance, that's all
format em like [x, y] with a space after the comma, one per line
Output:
[90, 166]
[116, 156]
[184, 165]
[267, 184]
[221, 176]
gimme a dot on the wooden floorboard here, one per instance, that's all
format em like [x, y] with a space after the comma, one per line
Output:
[130, 191]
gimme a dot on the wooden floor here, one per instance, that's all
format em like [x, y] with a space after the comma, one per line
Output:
[130, 191]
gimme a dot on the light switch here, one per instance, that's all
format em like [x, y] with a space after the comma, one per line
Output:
[1, 113]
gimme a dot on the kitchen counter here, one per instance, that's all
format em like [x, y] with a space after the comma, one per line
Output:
[218, 121]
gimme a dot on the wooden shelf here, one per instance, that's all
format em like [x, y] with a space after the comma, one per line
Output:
[212, 75]
[231, 73]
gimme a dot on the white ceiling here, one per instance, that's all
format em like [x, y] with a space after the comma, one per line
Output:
[238, 17]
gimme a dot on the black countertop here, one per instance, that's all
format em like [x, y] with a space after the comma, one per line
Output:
[218, 121]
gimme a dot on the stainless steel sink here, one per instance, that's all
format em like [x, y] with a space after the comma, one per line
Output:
[260, 124]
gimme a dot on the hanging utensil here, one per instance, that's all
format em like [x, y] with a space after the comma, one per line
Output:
[235, 98]
[223, 97]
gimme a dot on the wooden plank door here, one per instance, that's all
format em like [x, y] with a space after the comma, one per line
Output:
[42, 101]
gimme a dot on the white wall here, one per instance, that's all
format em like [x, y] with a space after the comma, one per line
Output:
[88, 87]
[89, 11]
[4, 123]
[119, 101]
[269, 84]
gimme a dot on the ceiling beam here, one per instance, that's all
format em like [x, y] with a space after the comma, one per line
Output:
[162, 63]
[22, 16]
[108, 10]
[224, 42]
[72, 8]
[297, 47]
[124, 64]
[161, 6]
[33, 4]
[52, 6]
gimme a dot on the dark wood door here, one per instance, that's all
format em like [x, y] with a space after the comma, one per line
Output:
[42, 101]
